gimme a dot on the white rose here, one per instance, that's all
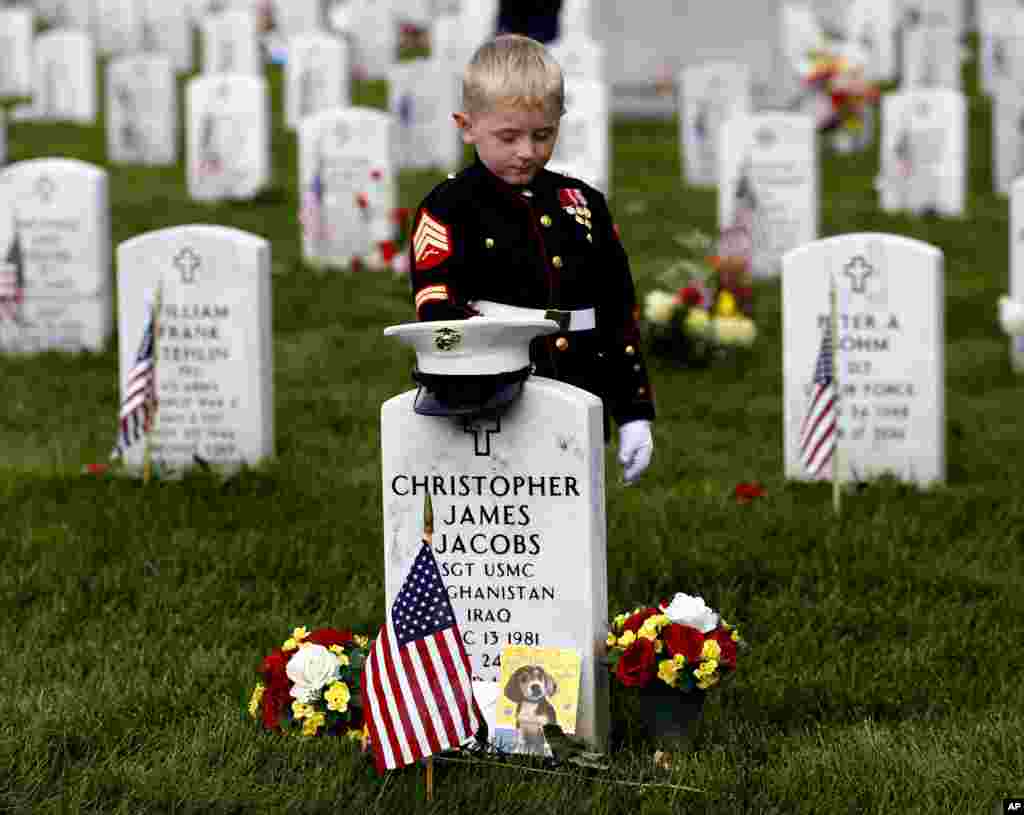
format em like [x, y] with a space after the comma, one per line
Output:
[691, 611]
[659, 306]
[1011, 316]
[310, 669]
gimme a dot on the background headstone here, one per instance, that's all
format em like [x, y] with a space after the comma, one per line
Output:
[579, 56]
[16, 33]
[708, 95]
[64, 81]
[374, 34]
[890, 352]
[1017, 264]
[231, 43]
[227, 136]
[213, 344]
[800, 33]
[295, 17]
[142, 110]
[768, 183]
[167, 29]
[422, 94]
[519, 527]
[583, 149]
[1007, 132]
[118, 26]
[872, 25]
[55, 232]
[924, 151]
[316, 76]
[931, 57]
[576, 18]
[347, 185]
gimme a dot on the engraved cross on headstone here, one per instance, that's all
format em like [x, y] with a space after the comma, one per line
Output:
[858, 270]
[485, 425]
[187, 263]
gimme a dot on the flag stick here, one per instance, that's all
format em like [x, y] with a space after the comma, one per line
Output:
[147, 455]
[834, 320]
[428, 539]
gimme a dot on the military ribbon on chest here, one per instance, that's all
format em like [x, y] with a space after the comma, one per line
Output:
[575, 204]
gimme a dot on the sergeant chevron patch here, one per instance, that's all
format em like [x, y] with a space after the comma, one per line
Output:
[432, 242]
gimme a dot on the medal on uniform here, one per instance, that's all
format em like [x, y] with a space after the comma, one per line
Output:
[575, 205]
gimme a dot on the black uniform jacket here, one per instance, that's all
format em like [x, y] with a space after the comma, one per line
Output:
[551, 244]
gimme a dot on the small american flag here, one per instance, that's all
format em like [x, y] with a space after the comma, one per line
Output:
[745, 202]
[311, 215]
[12, 283]
[139, 404]
[209, 159]
[818, 431]
[417, 679]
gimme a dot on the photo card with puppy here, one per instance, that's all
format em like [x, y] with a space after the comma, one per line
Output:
[539, 686]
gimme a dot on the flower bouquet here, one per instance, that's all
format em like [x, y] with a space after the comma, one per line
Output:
[311, 685]
[704, 309]
[843, 99]
[672, 654]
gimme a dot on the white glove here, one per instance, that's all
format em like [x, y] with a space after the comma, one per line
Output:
[636, 445]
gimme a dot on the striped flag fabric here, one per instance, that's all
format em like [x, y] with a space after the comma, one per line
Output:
[139, 404]
[819, 429]
[417, 682]
[312, 214]
[12, 283]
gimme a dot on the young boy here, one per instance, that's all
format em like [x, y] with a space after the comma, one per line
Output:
[505, 236]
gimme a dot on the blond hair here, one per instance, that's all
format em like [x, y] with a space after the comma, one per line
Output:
[513, 70]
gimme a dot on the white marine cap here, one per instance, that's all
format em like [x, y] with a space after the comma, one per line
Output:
[470, 366]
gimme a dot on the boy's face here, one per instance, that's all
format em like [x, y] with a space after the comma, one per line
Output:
[514, 143]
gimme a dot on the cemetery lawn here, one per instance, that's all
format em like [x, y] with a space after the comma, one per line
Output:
[887, 673]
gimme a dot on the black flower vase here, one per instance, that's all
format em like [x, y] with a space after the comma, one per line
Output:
[669, 715]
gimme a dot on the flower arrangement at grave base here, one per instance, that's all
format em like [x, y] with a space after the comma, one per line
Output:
[310, 686]
[843, 98]
[703, 311]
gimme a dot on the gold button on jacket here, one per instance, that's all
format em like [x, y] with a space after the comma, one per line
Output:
[562, 344]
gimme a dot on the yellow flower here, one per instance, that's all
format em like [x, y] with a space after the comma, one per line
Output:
[735, 636]
[289, 645]
[707, 682]
[667, 671]
[619, 621]
[711, 650]
[257, 697]
[680, 660]
[726, 305]
[337, 697]
[627, 639]
[648, 632]
[612, 639]
[341, 655]
[300, 633]
[301, 710]
[312, 724]
[659, 646]
[360, 640]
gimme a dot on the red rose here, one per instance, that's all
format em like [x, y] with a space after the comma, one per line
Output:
[388, 250]
[747, 492]
[724, 640]
[682, 639]
[330, 636]
[636, 665]
[274, 665]
[634, 621]
[691, 296]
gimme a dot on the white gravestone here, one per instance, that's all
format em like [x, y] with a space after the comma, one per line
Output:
[931, 57]
[519, 525]
[316, 76]
[295, 17]
[579, 56]
[924, 152]
[167, 29]
[799, 35]
[708, 95]
[583, 149]
[889, 353]
[1017, 265]
[448, 45]
[871, 24]
[934, 12]
[69, 13]
[16, 32]
[374, 31]
[118, 26]
[768, 183]
[347, 185]
[64, 83]
[213, 344]
[55, 236]
[576, 18]
[422, 93]
[479, 21]
[142, 110]
[3, 138]
[1007, 133]
[228, 136]
[231, 43]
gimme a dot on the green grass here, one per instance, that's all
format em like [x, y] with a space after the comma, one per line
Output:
[886, 674]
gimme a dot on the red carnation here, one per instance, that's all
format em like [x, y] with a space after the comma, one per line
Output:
[330, 636]
[362, 201]
[388, 250]
[691, 296]
[376, 175]
[636, 665]
[683, 639]
[634, 621]
[724, 640]
[274, 665]
[747, 492]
